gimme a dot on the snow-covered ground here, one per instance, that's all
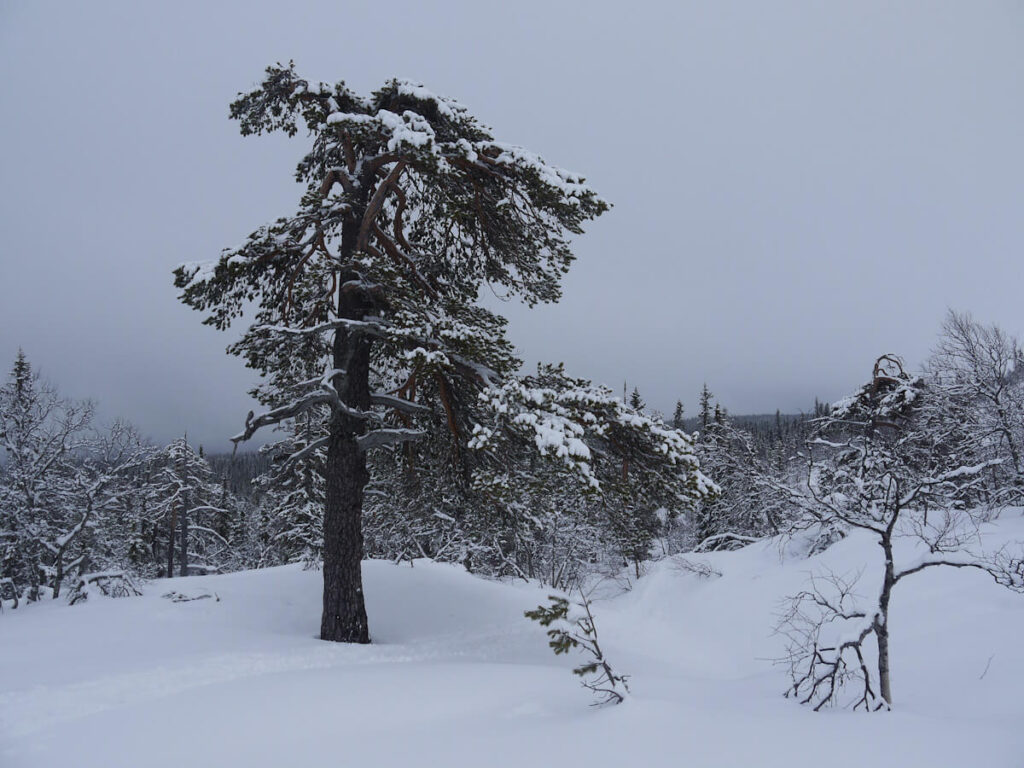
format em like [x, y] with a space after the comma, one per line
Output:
[457, 677]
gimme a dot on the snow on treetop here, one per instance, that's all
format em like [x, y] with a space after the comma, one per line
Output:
[316, 89]
[348, 117]
[571, 184]
[446, 106]
[559, 415]
[414, 130]
[409, 128]
[199, 271]
[886, 398]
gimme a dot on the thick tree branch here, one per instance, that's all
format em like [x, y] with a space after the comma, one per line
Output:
[277, 415]
[373, 208]
[402, 258]
[310, 449]
[384, 437]
[398, 403]
[367, 327]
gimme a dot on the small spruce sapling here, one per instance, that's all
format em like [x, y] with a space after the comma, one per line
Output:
[635, 401]
[576, 629]
[678, 419]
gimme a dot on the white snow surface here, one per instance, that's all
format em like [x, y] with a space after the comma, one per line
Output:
[457, 677]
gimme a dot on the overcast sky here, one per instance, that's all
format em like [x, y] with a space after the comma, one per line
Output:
[798, 187]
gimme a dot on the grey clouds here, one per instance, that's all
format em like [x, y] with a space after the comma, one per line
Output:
[798, 187]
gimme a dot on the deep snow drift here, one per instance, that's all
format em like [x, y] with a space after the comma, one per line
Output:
[457, 677]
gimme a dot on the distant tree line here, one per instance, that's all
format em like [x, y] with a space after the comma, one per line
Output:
[77, 498]
[929, 456]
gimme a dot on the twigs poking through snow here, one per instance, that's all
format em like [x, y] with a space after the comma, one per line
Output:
[8, 592]
[178, 597]
[825, 635]
[576, 629]
[109, 584]
[728, 540]
[703, 570]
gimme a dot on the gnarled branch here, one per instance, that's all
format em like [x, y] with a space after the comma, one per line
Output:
[384, 437]
[398, 403]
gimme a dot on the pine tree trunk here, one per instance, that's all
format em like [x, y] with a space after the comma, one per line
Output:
[344, 614]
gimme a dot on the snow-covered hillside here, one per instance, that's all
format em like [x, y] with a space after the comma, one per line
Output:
[457, 677]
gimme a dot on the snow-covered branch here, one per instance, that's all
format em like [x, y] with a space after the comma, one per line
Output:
[380, 438]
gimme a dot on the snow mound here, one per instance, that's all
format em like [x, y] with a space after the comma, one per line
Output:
[457, 677]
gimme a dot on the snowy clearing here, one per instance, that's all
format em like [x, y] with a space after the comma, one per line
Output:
[456, 676]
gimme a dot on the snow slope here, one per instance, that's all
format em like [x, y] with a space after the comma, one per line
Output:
[456, 676]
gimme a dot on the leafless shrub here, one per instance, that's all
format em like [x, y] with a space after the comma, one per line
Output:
[108, 584]
[825, 633]
[703, 570]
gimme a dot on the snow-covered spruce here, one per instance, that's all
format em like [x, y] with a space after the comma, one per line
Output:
[292, 494]
[41, 517]
[749, 505]
[559, 482]
[60, 486]
[588, 441]
[191, 527]
[976, 380]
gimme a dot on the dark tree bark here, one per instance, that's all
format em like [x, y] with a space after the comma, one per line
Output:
[173, 524]
[59, 575]
[344, 613]
[183, 540]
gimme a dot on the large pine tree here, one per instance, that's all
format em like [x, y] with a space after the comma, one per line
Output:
[410, 208]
